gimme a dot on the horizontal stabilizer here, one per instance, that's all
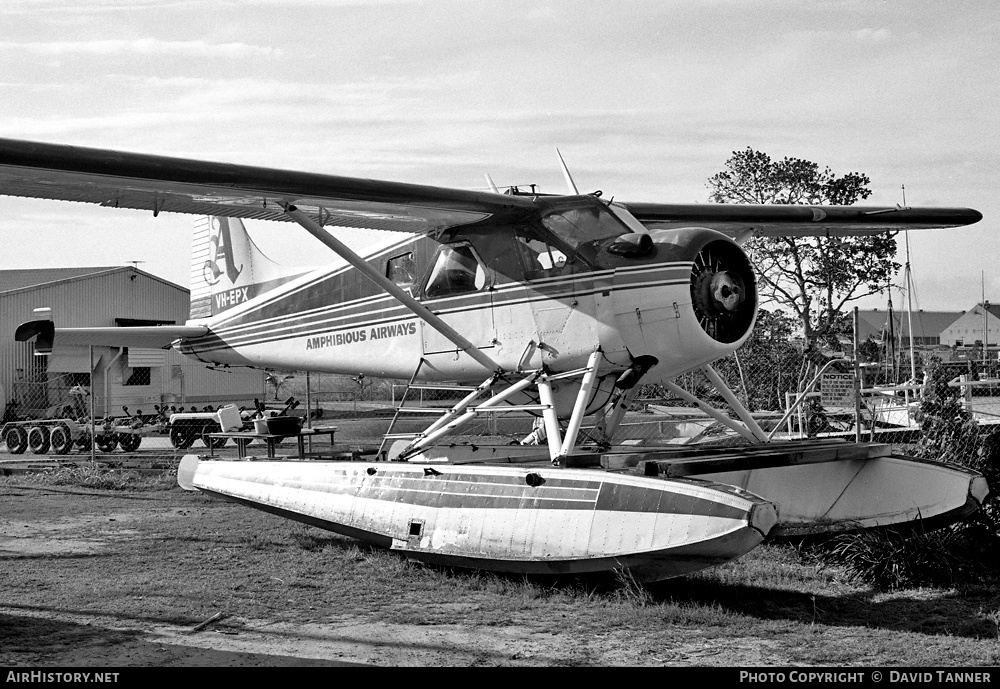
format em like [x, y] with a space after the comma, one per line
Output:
[146, 337]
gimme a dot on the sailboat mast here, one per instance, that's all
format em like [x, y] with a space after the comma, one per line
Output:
[908, 281]
[891, 365]
[986, 323]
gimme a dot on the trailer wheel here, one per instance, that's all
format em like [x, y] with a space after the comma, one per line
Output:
[61, 439]
[215, 443]
[129, 442]
[106, 443]
[38, 439]
[16, 439]
[84, 442]
[182, 435]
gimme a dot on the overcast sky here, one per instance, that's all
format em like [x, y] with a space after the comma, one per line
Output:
[645, 99]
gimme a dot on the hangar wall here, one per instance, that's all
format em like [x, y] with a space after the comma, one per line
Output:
[105, 296]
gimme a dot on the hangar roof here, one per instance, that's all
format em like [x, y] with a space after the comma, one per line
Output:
[14, 280]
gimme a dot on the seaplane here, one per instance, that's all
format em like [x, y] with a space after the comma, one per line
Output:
[558, 305]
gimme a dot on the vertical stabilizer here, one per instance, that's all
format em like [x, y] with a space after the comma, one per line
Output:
[227, 268]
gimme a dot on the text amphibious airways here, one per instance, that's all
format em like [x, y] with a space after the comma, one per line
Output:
[380, 332]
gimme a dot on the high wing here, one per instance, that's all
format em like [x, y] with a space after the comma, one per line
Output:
[742, 220]
[163, 184]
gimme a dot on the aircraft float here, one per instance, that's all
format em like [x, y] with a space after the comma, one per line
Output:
[556, 304]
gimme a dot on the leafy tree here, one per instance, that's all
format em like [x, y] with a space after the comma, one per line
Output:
[814, 277]
[277, 381]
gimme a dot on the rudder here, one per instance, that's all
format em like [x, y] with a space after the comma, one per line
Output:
[227, 268]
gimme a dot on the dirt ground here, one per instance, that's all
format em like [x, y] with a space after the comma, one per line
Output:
[161, 577]
[97, 578]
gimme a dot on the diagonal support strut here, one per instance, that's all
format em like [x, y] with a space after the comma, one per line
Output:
[403, 297]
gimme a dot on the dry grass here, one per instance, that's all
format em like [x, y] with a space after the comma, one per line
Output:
[99, 477]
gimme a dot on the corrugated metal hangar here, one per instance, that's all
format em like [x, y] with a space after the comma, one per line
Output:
[39, 386]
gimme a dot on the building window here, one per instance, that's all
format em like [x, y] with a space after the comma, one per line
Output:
[138, 376]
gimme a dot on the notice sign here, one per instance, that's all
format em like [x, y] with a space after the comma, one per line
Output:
[837, 390]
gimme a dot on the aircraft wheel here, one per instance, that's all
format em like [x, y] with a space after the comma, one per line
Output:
[106, 443]
[38, 440]
[61, 439]
[129, 442]
[17, 440]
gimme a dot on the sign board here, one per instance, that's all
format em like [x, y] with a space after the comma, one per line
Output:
[837, 390]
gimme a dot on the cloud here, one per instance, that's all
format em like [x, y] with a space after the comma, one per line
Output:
[872, 35]
[152, 47]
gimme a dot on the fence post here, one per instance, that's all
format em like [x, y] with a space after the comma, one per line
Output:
[857, 384]
[93, 435]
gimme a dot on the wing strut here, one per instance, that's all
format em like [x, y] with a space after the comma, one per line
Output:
[403, 297]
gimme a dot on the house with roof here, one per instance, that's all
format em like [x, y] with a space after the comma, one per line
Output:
[978, 325]
[928, 326]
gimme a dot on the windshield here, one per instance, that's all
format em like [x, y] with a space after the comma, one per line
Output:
[581, 229]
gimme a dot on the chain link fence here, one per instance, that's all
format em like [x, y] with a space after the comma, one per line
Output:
[42, 395]
[951, 413]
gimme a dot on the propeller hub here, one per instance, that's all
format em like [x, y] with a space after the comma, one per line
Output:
[723, 291]
[727, 291]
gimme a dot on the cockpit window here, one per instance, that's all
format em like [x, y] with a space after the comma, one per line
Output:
[456, 271]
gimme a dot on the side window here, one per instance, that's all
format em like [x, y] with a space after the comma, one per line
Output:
[541, 259]
[456, 271]
[402, 271]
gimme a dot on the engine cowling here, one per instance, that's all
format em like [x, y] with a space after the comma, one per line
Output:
[696, 301]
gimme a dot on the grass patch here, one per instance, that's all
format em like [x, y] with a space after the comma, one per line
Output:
[959, 555]
[98, 477]
[179, 557]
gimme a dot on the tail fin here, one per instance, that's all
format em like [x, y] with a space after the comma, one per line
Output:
[227, 268]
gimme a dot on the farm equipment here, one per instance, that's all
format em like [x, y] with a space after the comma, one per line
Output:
[60, 435]
[186, 427]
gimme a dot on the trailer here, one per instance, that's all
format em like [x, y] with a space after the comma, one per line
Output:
[60, 435]
[186, 427]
